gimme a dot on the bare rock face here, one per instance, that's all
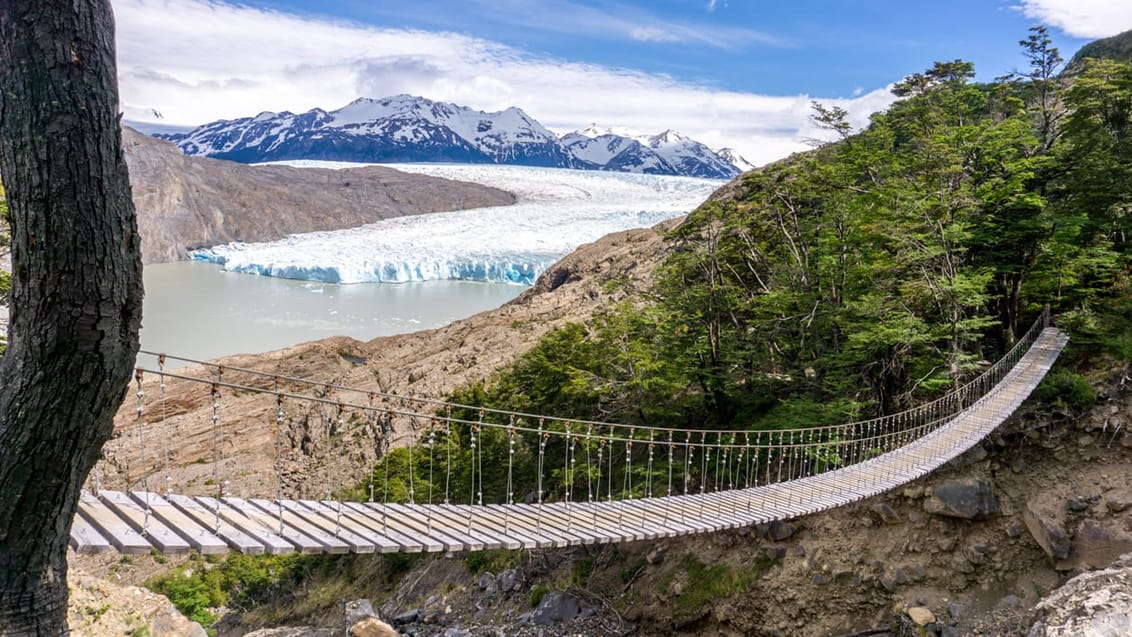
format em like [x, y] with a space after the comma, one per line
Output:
[1094, 604]
[96, 607]
[191, 202]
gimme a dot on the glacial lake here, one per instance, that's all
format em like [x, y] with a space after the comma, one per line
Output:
[196, 310]
[407, 273]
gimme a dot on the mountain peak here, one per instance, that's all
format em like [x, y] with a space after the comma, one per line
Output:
[594, 130]
[733, 157]
[669, 137]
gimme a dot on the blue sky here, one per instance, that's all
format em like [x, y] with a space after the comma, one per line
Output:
[729, 72]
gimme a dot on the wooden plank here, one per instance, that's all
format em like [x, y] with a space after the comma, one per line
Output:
[86, 540]
[578, 519]
[149, 526]
[230, 518]
[265, 510]
[646, 515]
[109, 526]
[234, 537]
[255, 521]
[452, 541]
[442, 519]
[525, 518]
[406, 542]
[688, 510]
[333, 525]
[518, 521]
[535, 518]
[382, 521]
[653, 510]
[331, 515]
[500, 525]
[199, 537]
[621, 522]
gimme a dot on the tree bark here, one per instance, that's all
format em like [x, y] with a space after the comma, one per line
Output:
[76, 289]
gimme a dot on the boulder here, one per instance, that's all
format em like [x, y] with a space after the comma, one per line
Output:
[407, 617]
[1046, 523]
[921, 616]
[885, 513]
[488, 584]
[779, 530]
[969, 499]
[509, 580]
[556, 607]
[1118, 500]
[174, 624]
[372, 627]
[358, 610]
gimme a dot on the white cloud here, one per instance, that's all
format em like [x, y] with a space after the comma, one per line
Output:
[1082, 18]
[196, 61]
[653, 34]
[614, 21]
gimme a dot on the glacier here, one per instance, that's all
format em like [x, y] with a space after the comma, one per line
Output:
[557, 211]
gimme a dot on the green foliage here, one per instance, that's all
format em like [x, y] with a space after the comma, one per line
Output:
[1068, 388]
[237, 581]
[873, 273]
[1117, 47]
[537, 593]
[581, 571]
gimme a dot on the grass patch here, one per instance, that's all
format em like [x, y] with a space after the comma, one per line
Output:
[537, 593]
[581, 571]
[704, 584]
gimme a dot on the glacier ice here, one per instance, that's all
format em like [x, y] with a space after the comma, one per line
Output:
[557, 211]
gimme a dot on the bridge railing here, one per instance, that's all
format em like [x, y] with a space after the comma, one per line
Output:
[503, 457]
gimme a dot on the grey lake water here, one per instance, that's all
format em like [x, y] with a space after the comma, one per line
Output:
[196, 310]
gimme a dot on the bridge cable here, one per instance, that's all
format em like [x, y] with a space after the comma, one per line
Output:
[279, 456]
[216, 453]
[165, 438]
[141, 443]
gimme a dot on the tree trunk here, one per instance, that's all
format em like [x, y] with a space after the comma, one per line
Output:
[76, 289]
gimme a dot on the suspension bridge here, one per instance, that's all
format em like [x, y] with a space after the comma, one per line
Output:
[578, 482]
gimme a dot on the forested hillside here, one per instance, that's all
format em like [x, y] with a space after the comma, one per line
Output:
[876, 271]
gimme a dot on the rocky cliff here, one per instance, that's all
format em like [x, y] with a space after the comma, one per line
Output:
[190, 202]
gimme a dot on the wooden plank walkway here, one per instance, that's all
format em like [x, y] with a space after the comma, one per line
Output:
[139, 522]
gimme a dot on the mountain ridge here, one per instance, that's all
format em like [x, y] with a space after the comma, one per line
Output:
[188, 202]
[405, 128]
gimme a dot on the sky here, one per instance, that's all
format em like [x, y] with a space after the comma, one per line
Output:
[729, 73]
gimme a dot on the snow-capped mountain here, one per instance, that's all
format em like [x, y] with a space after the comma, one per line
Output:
[732, 156]
[407, 129]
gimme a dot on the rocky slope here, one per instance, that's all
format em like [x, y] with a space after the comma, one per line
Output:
[189, 202]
